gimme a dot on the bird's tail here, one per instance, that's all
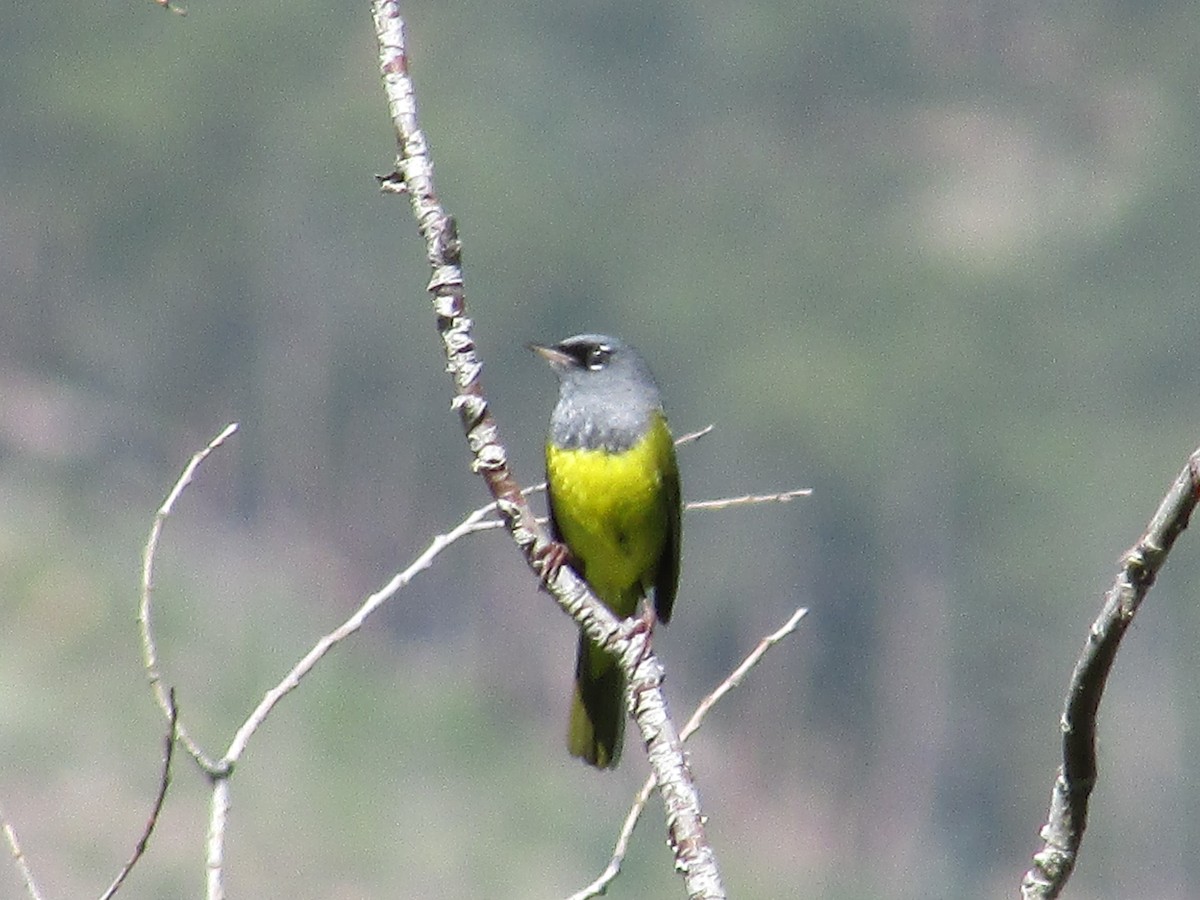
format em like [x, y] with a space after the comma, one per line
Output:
[597, 726]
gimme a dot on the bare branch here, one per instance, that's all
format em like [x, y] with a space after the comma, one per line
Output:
[736, 676]
[219, 804]
[718, 503]
[476, 521]
[751, 499]
[218, 816]
[18, 856]
[163, 783]
[693, 436]
[149, 648]
[413, 174]
[220, 770]
[600, 885]
[1063, 832]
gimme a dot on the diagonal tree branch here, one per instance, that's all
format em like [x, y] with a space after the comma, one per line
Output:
[413, 175]
[600, 885]
[1063, 832]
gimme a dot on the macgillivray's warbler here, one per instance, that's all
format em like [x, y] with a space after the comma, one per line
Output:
[615, 504]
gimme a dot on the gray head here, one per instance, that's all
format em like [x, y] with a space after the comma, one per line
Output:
[606, 396]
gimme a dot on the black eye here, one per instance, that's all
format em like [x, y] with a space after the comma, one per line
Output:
[598, 357]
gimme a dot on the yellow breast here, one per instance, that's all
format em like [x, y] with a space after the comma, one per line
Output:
[611, 511]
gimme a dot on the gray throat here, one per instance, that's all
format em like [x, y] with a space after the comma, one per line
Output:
[590, 422]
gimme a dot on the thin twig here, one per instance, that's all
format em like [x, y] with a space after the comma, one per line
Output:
[751, 499]
[1063, 832]
[219, 804]
[613, 869]
[736, 676]
[149, 649]
[693, 436]
[718, 503]
[18, 856]
[476, 521]
[163, 783]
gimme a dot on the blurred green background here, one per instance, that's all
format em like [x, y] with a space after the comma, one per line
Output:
[936, 260]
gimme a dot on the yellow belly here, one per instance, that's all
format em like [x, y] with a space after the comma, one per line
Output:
[611, 511]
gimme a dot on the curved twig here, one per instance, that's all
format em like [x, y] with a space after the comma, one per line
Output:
[1063, 832]
[145, 627]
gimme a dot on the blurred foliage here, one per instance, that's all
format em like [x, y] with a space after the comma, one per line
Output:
[935, 260]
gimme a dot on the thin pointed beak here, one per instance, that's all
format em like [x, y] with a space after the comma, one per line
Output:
[557, 359]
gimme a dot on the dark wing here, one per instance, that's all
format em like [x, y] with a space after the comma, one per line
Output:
[666, 578]
[553, 523]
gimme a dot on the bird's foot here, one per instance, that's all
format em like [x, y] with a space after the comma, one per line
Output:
[646, 619]
[552, 557]
[641, 624]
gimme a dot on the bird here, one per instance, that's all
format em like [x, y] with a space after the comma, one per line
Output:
[614, 499]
